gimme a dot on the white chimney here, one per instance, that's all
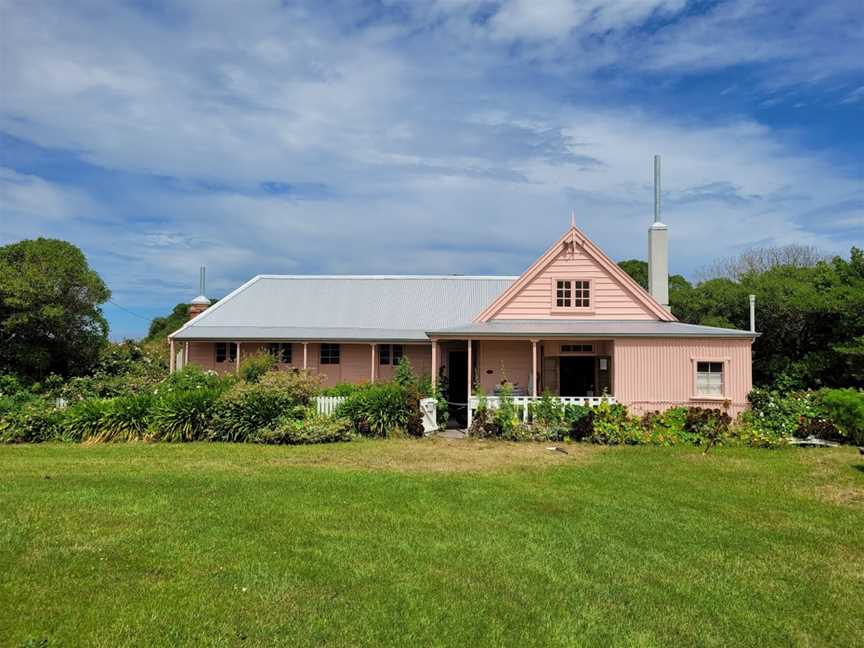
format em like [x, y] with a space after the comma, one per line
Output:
[658, 248]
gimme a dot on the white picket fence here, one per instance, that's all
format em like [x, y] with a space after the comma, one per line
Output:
[326, 406]
[523, 403]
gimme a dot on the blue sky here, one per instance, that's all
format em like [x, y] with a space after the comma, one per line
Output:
[450, 136]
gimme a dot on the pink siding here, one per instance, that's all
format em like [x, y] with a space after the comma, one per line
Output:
[609, 298]
[504, 358]
[355, 360]
[420, 357]
[658, 373]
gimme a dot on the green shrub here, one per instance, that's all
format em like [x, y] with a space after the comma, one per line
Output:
[255, 366]
[748, 431]
[300, 386]
[505, 416]
[579, 421]
[126, 419]
[383, 409]
[85, 419]
[183, 415]
[845, 409]
[547, 410]
[247, 408]
[797, 414]
[613, 425]
[192, 377]
[345, 389]
[317, 429]
[32, 422]
[706, 426]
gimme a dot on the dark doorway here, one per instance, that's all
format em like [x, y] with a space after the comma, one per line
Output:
[457, 394]
[577, 376]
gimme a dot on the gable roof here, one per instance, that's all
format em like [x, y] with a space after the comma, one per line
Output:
[344, 307]
[575, 236]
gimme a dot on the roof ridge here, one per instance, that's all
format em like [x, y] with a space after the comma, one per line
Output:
[405, 276]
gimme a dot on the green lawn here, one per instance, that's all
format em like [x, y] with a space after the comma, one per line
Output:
[429, 542]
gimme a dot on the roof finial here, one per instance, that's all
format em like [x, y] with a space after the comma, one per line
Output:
[572, 218]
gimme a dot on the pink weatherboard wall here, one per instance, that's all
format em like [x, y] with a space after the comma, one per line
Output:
[658, 373]
[609, 299]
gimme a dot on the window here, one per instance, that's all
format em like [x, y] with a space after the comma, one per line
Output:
[226, 350]
[563, 294]
[709, 378]
[577, 348]
[329, 354]
[281, 351]
[572, 294]
[390, 354]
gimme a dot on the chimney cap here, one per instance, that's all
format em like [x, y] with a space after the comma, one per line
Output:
[200, 300]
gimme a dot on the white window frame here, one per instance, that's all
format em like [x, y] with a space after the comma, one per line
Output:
[724, 378]
[586, 291]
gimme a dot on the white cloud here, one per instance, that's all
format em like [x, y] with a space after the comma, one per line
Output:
[427, 145]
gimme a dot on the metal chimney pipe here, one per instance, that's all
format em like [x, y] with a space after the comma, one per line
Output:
[752, 313]
[658, 248]
[201, 279]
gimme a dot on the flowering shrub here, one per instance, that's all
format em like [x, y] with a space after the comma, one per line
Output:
[798, 414]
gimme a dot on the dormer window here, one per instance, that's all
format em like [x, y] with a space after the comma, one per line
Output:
[572, 293]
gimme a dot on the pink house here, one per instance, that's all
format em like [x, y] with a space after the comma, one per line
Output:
[573, 324]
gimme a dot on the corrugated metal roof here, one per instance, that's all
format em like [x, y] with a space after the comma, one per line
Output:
[588, 328]
[351, 307]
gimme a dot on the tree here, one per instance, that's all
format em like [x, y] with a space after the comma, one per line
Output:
[50, 319]
[638, 271]
[162, 327]
[811, 319]
[756, 260]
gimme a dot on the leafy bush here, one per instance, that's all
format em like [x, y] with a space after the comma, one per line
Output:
[505, 416]
[183, 415]
[799, 414]
[300, 386]
[247, 408]
[383, 409]
[579, 420]
[317, 429]
[613, 425]
[85, 419]
[32, 422]
[192, 377]
[547, 410]
[255, 366]
[345, 389]
[706, 426]
[126, 418]
[845, 409]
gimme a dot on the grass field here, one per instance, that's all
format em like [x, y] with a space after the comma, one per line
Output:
[430, 542]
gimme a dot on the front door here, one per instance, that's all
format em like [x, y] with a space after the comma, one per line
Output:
[577, 376]
[457, 394]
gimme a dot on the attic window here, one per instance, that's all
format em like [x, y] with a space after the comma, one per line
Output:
[572, 293]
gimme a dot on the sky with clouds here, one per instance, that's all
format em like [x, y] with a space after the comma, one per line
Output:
[402, 136]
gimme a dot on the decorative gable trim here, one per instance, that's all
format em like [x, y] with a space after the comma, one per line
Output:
[573, 237]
